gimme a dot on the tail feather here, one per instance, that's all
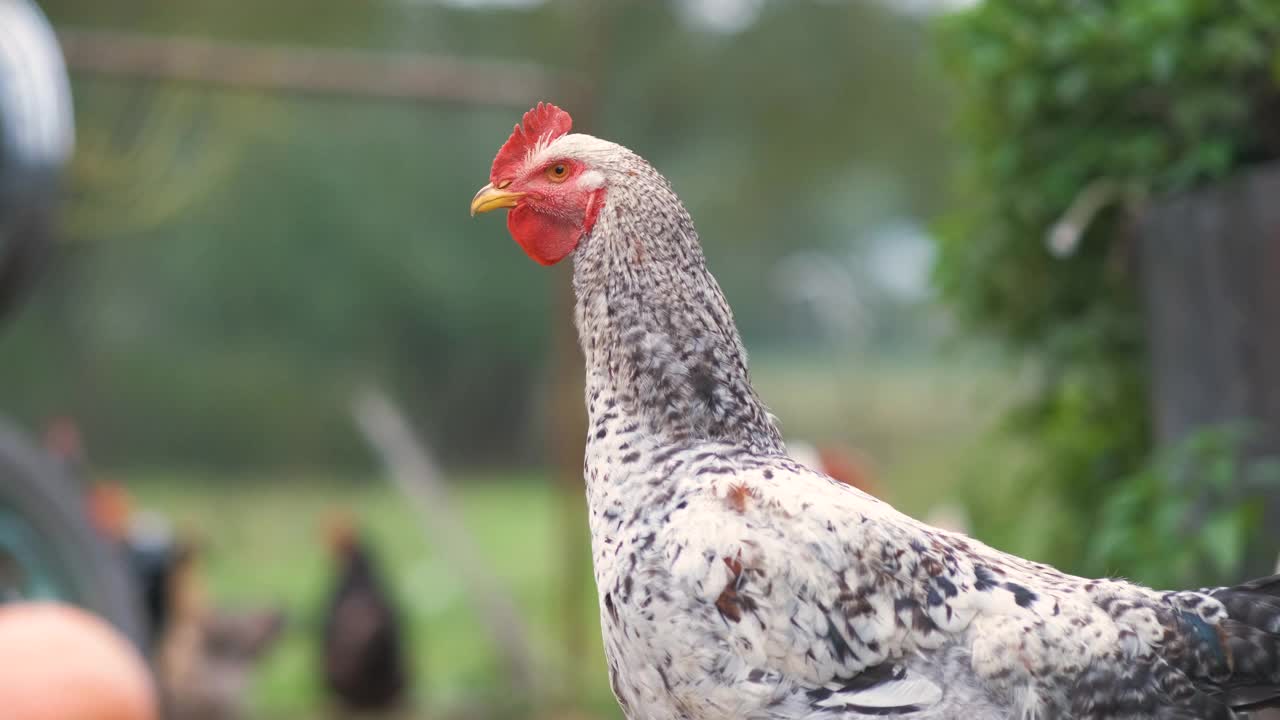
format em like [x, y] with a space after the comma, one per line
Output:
[1269, 585]
[1250, 639]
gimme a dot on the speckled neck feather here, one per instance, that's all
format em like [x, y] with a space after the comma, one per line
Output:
[659, 338]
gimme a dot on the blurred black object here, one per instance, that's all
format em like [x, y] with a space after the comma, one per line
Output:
[153, 564]
[36, 140]
[364, 663]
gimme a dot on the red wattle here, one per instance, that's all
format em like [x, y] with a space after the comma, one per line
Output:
[547, 238]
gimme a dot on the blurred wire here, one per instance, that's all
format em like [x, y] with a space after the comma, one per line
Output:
[405, 77]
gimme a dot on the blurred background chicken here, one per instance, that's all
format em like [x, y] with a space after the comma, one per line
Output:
[363, 637]
[205, 655]
[146, 543]
[852, 467]
[838, 461]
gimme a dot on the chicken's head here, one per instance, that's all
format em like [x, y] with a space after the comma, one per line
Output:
[550, 180]
[341, 533]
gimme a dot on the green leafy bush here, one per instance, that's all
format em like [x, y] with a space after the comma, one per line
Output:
[1219, 495]
[1056, 96]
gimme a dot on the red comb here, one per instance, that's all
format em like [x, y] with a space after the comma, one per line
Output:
[543, 123]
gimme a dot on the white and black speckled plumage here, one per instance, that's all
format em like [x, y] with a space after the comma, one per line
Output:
[736, 584]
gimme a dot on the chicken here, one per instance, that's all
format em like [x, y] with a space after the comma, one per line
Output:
[364, 664]
[834, 461]
[736, 583]
[205, 655]
[146, 543]
[851, 468]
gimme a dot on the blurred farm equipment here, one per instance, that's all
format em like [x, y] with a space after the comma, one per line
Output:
[36, 140]
[48, 548]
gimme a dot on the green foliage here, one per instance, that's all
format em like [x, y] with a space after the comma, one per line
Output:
[240, 259]
[1190, 509]
[1159, 96]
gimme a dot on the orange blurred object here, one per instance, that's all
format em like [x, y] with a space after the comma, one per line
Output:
[109, 509]
[849, 467]
[62, 663]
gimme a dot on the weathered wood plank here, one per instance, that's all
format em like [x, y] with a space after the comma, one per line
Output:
[1211, 280]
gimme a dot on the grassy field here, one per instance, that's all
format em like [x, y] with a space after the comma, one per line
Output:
[265, 546]
[263, 536]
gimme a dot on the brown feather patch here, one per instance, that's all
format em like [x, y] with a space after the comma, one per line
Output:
[728, 603]
[731, 603]
[737, 497]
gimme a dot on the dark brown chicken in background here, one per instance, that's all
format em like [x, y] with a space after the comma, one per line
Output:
[363, 645]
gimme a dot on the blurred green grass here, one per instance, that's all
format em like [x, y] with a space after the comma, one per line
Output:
[263, 543]
[263, 537]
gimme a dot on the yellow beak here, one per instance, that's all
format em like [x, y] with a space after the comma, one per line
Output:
[492, 198]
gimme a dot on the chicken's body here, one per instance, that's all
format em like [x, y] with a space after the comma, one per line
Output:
[736, 584]
[363, 638]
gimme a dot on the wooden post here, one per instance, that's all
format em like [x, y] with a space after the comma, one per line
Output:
[414, 472]
[569, 417]
[1211, 273]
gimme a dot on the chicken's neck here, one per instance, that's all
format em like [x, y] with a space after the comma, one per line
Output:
[663, 355]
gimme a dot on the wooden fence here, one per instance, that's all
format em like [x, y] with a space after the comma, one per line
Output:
[1211, 277]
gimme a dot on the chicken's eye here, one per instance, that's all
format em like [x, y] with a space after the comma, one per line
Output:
[558, 172]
